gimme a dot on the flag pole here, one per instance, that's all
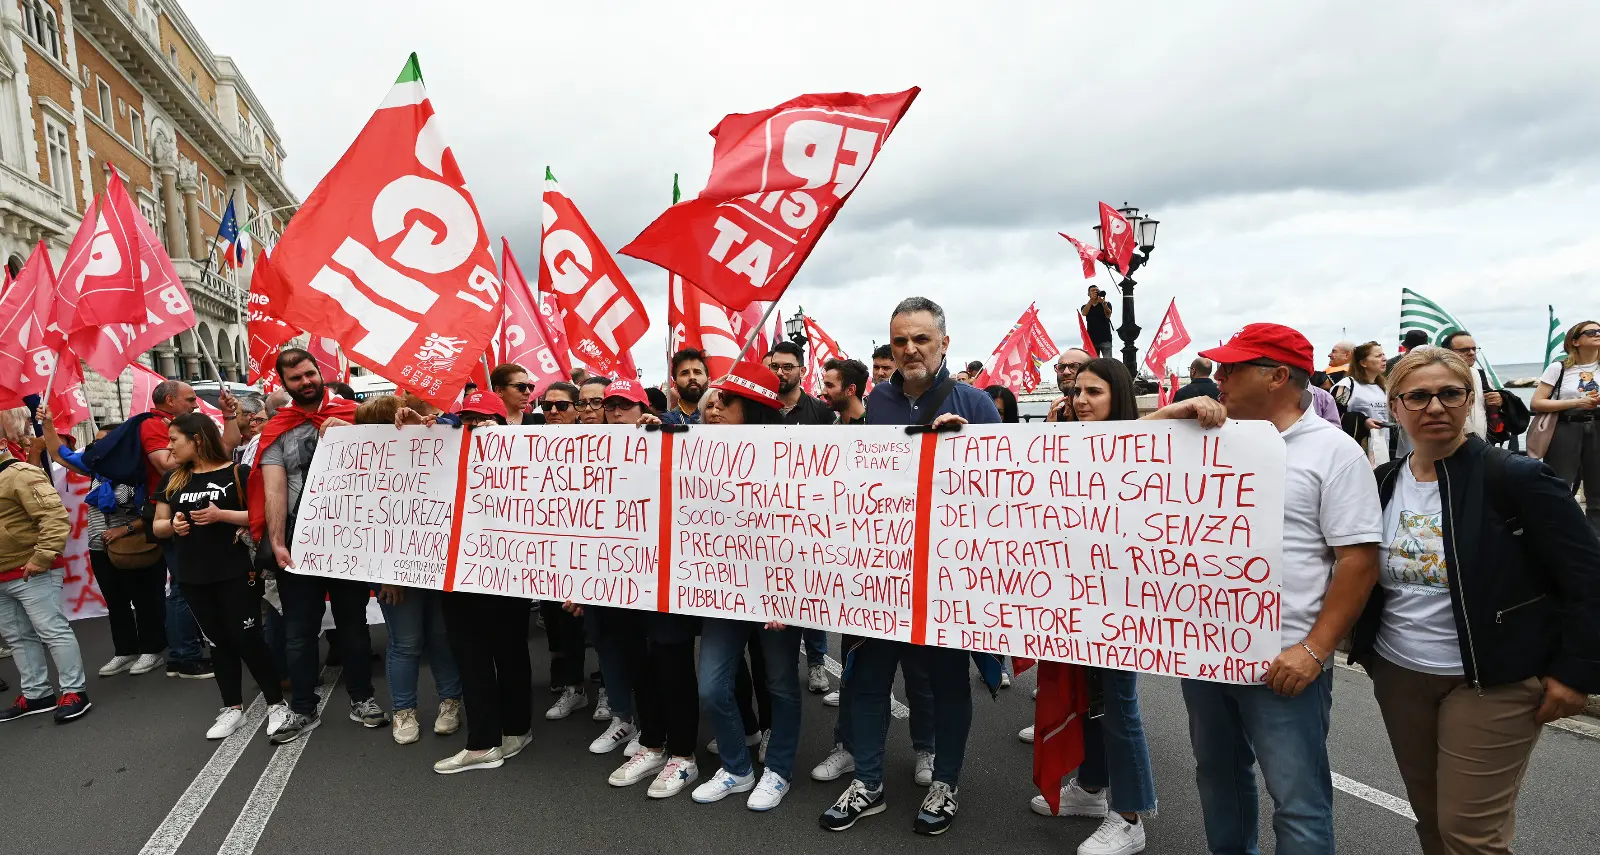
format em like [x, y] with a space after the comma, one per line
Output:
[210, 360]
[755, 331]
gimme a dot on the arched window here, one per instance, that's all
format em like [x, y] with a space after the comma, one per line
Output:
[14, 264]
[30, 19]
[48, 37]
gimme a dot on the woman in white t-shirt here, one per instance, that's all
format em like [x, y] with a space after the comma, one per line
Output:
[1363, 393]
[1486, 616]
[1571, 387]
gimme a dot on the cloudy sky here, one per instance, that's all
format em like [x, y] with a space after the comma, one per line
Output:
[1306, 160]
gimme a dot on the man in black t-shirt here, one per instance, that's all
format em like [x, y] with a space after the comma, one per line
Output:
[787, 360]
[1097, 317]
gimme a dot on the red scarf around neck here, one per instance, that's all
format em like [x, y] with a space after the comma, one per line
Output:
[287, 419]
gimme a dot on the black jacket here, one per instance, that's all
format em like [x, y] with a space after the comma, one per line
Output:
[1522, 609]
[1197, 387]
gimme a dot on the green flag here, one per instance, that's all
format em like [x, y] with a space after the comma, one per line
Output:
[1555, 341]
[1420, 313]
[675, 194]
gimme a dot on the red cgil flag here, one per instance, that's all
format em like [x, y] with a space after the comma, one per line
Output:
[388, 255]
[1118, 237]
[778, 178]
[523, 338]
[602, 315]
[1015, 363]
[822, 348]
[1087, 254]
[267, 330]
[1083, 331]
[329, 363]
[68, 404]
[1058, 716]
[698, 321]
[28, 348]
[1170, 340]
[167, 312]
[100, 281]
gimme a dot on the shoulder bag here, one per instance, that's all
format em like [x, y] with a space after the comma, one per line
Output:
[1543, 428]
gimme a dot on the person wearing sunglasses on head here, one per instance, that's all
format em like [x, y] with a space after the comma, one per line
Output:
[510, 382]
[1569, 388]
[1068, 364]
[1486, 619]
[591, 400]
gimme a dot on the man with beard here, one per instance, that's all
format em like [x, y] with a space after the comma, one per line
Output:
[842, 383]
[882, 364]
[689, 378]
[787, 360]
[1068, 364]
[288, 443]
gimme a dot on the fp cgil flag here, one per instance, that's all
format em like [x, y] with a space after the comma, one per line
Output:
[522, 335]
[1117, 235]
[100, 281]
[27, 350]
[778, 178]
[701, 323]
[167, 311]
[603, 316]
[1015, 363]
[823, 348]
[388, 256]
[1171, 338]
[267, 330]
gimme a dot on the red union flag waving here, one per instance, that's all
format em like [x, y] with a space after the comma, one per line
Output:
[822, 349]
[1171, 338]
[1015, 363]
[167, 311]
[701, 323]
[1117, 236]
[1087, 254]
[603, 316]
[100, 282]
[27, 351]
[778, 179]
[388, 256]
[522, 336]
[267, 330]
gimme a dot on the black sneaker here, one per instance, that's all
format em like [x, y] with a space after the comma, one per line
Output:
[294, 727]
[857, 802]
[938, 810]
[24, 707]
[200, 670]
[73, 706]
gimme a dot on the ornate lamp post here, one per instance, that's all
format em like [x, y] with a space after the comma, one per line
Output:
[1145, 229]
[795, 328]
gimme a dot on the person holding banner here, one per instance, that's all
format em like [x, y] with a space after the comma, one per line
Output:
[1332, 524]
[564, 631]
[1115, 753]
[510, 381]
[592, 400]
[689, 378]
[749, 396]
[1487, 620]
[921, 391]
[489, 637]
[200, 507]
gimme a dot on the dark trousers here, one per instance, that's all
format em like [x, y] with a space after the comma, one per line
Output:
[1575, 456]
[872, 675]
[229, 615]
[751, 690]
[565, 634]
[489, 637]
[302, 598]
[137, 603]
[669, 708]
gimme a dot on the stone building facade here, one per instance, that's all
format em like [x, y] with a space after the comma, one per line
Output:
[92, 85]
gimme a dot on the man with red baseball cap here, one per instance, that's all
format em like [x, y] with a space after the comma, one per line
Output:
[480, 407]
[1332, 523]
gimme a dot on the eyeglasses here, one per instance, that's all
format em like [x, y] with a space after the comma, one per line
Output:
[1589, 334]
[524, 388]
[778, 367]
[617, 405]
[1417, 400]
[591, 403]
[558, 406]
[1227, 368]
[1071, 393]
[1075, 366]
[1465, 351]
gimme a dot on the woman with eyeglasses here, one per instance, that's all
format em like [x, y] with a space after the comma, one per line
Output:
[564, 631]
[510, 382]
[1366, 403]
[592, 399]
[1571, 388]
[1115, 754]
[1486, 618]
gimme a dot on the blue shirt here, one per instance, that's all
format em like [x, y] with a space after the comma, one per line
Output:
[888, 404]
[675, 416]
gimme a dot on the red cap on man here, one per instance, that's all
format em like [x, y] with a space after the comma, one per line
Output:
[749, 380]
[628, 390]
[483, 404]
[1273, 342]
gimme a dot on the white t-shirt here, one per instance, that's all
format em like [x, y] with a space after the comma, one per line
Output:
[1418, 629]
[1372, 401]
[1579, 380]
[1329, 499]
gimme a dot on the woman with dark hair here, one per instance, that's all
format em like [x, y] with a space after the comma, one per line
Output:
[202, 503]
[1571, 388]
[1005, 402]
[510, 381]
[1115, 754]
[1365, 401]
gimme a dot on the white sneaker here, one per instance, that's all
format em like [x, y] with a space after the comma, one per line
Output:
[1075, 801]
[1026, 734]
[633, 747]
[117, 665]
[1115, 836]
[277, 714]
[838, 762]
[406, 730]
[147, 662]
[679, 772]
[466, 761]
[818, 682]
[449, 719]
[639, 766]
[1005, 680]
[924, 772]
[571, 701]
[769, 792]
[228, 721]
[617, 734]
[751, 740]
[831, 699]
[602, 706]
[721, 785]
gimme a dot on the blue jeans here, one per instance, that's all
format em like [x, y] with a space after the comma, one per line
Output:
[1234, 727]
[303, 598]
[816, 646]
[616, 650]
[949, 696]
[722, 645]
[183, 634]
[272, 629]
[1114, 751]
[417, 625]
[31, 620]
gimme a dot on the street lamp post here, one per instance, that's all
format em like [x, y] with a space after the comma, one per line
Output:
[1145, 229]
[795, 327]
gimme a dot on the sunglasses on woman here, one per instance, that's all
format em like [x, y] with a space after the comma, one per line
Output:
[524, 388]
[617, 405]
[1418, 400]
[557, 406]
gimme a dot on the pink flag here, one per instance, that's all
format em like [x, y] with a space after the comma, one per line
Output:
[110, 349]
[1118, 237]
[68, 405]
[27, 349]
[1171, 338]
[99, 281]
[331, 365]
[144, 384]
[1087, 254]
[522, 334]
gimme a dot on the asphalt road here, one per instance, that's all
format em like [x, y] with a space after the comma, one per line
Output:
[107, 783]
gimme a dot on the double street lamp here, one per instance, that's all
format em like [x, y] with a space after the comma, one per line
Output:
[1144, 229]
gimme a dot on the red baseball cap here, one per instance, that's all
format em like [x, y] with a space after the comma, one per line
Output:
[628, 390]
[483, 403]
[749, 380]
[1266, 341]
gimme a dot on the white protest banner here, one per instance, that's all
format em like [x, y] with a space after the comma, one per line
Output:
[378, 505]
[80, 592]
[1139, 545]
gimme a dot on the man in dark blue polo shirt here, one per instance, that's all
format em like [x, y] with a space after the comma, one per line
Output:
[920, 392]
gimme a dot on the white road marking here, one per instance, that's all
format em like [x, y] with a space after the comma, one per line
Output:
[896, 709]
[257, 812]
[1374, 796]
[170, 834]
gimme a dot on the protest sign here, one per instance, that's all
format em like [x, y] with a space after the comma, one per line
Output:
[1150, 546]
[80, 593]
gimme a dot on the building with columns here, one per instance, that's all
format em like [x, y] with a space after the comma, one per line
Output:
[130, 85]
